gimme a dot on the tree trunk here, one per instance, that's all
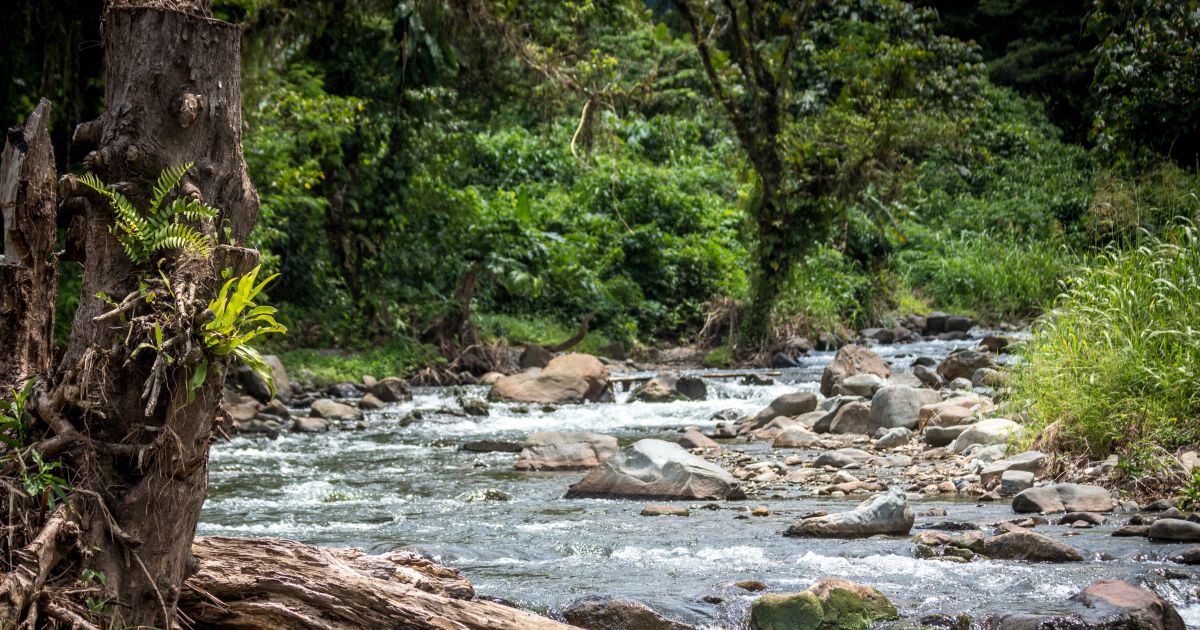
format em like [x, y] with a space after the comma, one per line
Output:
[173, 96]
[28, 275]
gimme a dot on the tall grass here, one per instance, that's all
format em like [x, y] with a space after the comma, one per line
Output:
[1116, 363]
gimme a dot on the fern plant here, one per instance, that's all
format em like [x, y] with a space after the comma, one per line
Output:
[237, 320]
[160, 227]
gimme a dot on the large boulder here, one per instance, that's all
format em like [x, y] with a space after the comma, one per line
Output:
[255, 386]
[1022, 544]
[554, 450]
[899, 406]
[1030, 461]
[1063, 497]
[849, 361]
[787, 405]
[655, 469]
[963, 363]
[944, 436]
[986, 433]
[864, 385]
[617, 614]
[567, 379]
[391, 389]
[1105, 605]
[332, 410]
[670, 387]
[1174, 530]
[830, 604]
[853, 417]
[962, 409]
[534, 356]
[884, 513]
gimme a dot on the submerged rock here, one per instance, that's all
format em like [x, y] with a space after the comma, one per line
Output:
[565, 450]
[617, 614]
[669, 388]
[830, 604]
[570, 378]
[849, 361]
[391, 389]
[885, 513]
[655, 469]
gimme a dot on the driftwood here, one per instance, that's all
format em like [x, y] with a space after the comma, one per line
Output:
[735, 374]
[574, 340]
[269, 583]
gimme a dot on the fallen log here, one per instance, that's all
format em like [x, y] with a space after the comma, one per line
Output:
[270, 583]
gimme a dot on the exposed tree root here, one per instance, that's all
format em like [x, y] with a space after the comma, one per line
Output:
[33, 563]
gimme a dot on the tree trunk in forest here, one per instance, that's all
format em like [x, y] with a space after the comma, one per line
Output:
[28, 275]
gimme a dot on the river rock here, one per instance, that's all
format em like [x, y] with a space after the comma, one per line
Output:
[670, 387]
[960, 409]
[830, 604]
[898, 436]
[899, 406]
[332, 410]
[1063, 497]
[391, 389]
[370, 402]
[490, 378]
[491, 446]
[787, 405]
[310, 425]
[1022, 544]
[1105, 605]
[796, 436]
[1029, 461]
[1174, 530]
[664, 510]
[944, 436]
[570, 378]
[849, 361]
[534, 356]
[884, 513]
[693, 439]
[655, 469]
[563, 450]
[1015, 481]
[1189, 556]
[854, 417]
[864, 385]
[843, 457]
[617, 614]
[986, 433]
[963, 363]
[928, 376]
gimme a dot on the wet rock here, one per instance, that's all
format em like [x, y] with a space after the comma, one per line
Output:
[843, 457]
[885, 513]
[617, 614]
[1189, 556]
[656, 469]
[1105, 605]
[986, 433]
[343, 390]
[796, 436]
[899, 406]
[484, 494]
[534, 356]
[332, 410]
[854, 417]
[1161, 505]
[830, 604]
[570, 378]
[963, 363]
[898, 436]
[864, 385]
[1063, 497]
[255, 426]
[693, 439]
[1029, 461]
[370, 402]
[310, 425]
[879, 335]
[391, 389]
[476, 407]
[664, 510]
[754, 586]
[565, 450]
[1022, 544]
[788, 405]
[490, 378]
[669, 388]
[1015, 481]
[1132, 531]
[928, 376]
[491, 446]
[1174, 530]
[849, 361]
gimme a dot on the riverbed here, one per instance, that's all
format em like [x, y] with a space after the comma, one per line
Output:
[392, 486]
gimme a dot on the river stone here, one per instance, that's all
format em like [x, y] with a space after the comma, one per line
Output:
[565, 450]
[669, 388]
[1022, 544]
[693, 439]
[617, 614]
[391, 389]
[310, 425]
[849, 361]
[843, 457]
[1015, 481]
[491, 446]
[570, 378]
[986, 433]
[864, 385]
[789, 405]
[961, 408]
[884, 513]
[534, 356]
[1189, 556]
[1174, 530]
[795, 436]
[664, 510]
[655, 469]
[809, 420]
[490, 378]
[854, 417]
[1063, 497]
[944, 436]
[332, 410]
[370, 402]
[963, 363]
[1105, 605]
[830, 604]
[928, 376]
[1029, 461]
[894, 437]
[899, 406]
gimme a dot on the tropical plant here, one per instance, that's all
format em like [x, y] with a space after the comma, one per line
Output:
[237, 320]
[14, 426]
[160, 227]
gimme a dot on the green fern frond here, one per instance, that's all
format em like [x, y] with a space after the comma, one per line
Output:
[167, 181]
[181, 236]
[127, 216]
[192, 210]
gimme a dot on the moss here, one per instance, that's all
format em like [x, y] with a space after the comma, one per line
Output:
[847, 610]
[718, 358]
[827, 605]
[786, 611]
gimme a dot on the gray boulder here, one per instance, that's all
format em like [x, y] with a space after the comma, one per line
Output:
[1174, 530]
[787, 405]
[1015, 481]
[963, 363]
[899, 406]
[1022, 544]
[670, 387]
[795, 436]
[986, 433]
[1105, 605]
[898, 436]
[843, 457]
[332, 410]
[1063, 497]
[1029, 461]
[885, 513]
[853, 417]
[851, 360]
[692, 439]
[864, 385]
[654, 469]
[944, 436]
[555, 450]
[617, 614]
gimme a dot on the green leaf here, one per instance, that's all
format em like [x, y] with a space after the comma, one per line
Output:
[197, 379]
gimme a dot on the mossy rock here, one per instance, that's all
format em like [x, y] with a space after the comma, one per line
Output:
[827, 605]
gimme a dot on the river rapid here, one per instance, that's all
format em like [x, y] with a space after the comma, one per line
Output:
[391, 486]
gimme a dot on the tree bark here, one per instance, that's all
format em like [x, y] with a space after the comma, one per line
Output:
[28, 275]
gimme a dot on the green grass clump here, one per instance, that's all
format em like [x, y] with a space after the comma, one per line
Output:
[399, 357]
[540, 330]
[1116, 364]
[721, 357]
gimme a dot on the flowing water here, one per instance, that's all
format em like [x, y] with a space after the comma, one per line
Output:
[391, 486]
